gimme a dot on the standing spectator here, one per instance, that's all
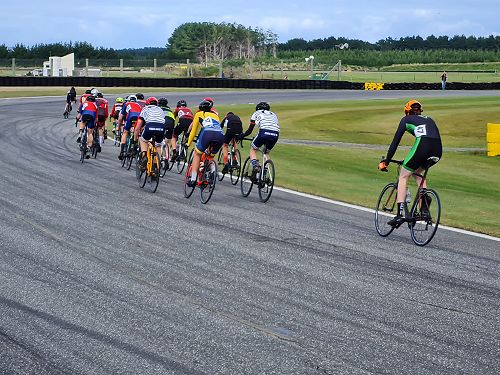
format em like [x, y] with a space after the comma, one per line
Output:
[444, 77]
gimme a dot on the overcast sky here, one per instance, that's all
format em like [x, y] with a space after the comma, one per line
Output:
[135, 24]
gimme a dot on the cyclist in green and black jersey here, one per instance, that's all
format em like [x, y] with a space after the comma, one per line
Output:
[427, 144]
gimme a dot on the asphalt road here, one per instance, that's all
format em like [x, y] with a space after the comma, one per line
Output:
[100, 277]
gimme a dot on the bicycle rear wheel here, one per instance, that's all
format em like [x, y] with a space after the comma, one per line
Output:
[209, 180]
[154, 175]
[130, 155]
[386, 208]
[83, 146]
[235, 170]
[246, 182]
[182, 159]
[426, 214]
[266, 181]
[221, 164]
[188, 191]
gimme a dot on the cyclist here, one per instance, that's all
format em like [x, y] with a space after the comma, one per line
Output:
[140, 99]
[152, 120]
[269, 131]
[169, 120]
[115, 112]
[211, 133]
[234, 129]
[88, 111]
[102, 114]
[129, 113]
[72, 91]
[184, 117]
[67, 108]
[427, 144]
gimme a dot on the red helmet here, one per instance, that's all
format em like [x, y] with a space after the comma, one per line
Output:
[209, 100]
[151, 101]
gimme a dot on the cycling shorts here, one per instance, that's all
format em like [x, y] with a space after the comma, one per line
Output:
[132, 116]
[230, 134]
[89, 119]
[207, 137]
[422, 149]
[267, 138]
[153, 131]
[182, 126]
[169, 127]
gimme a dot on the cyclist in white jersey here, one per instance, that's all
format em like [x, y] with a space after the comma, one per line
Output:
[269, 131]
[152, 120]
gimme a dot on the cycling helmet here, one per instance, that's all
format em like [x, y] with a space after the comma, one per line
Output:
[205, 106]
[99, 95]
[90, 98]
[181, 103]
[94, 91]
[163, 102]
[209, 100]
[119, 100]
[139, 96]
[88, 91]
[412, 105]
[152, 101]
[262, 105]
[132, 98]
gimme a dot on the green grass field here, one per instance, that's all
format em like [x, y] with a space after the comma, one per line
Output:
[468, 182]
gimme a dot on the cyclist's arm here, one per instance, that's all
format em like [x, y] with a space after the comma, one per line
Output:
[192, 129]
[397, 138]
[249, 130]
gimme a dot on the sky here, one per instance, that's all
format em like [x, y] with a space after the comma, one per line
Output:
[127, 24]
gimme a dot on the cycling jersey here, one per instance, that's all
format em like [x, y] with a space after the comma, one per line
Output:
[427, 140]
[154, 119]
[89, 113]
[266, 120]
[169, 121]
[102, 110]
[130, 111]
[115, 111]
[234, 127]
[211, 130]
[181, 112]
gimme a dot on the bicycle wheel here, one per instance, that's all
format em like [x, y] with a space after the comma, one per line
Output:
[140, 174]
[182, 159]
[386, 208]
[83, 146]
[188, 191]
[246, 182]
[154, 174]
[235, 171]
[266, 181]
[221, 164]
[93, 148]
[426, 214]
[130, 155]
[210, 176]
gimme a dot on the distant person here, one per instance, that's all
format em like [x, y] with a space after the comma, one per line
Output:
[444, 77]
[72, 91]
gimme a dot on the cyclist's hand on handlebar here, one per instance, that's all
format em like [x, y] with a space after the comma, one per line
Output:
[382, 166]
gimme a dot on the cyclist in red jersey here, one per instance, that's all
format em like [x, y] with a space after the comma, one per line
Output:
[102, 115]
[184, 117]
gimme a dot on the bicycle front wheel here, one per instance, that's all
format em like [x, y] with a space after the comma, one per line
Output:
[221, 164]
[188, 191]
[246, 182]
[140, 173]
[386, 208]
[266, 181]
[209, 180]
[426, 213]
[235, 170]
[182, 159]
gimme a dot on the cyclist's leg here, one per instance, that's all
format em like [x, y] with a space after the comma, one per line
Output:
[90, 132]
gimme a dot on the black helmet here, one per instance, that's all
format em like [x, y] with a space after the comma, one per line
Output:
[181, 103]
[262, 105]
[90, 98]
[99, 95]
[205, 106]
[163, 102]
[89, 91]
[139, 96]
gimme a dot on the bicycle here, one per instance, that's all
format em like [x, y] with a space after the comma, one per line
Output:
[234, 156]
[151, 173]
[130, 149]
[83, 144]
[264, 179]
[206, 177]
[67, 110]
[118, 134]
[425, 211]
[165, 164]
[95, 142]
[182, 154]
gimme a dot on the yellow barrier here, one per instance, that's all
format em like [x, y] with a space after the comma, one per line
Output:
[493, 139]
[374, 85]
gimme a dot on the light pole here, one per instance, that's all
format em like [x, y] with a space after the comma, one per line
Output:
[311, 59]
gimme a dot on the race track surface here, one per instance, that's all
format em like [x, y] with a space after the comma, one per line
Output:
[98, 276]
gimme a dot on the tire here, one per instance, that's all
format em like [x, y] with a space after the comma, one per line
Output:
[188, 191]
[245, 179]
[182, 159]
[266, 181]
[130, 156]
[424, 227]
[83, 146]
[234, 172]
[386, 208]
[210, 176]
[154, 176]
[140, 174]
[220, 164]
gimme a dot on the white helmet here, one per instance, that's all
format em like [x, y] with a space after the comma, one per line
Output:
[94, 91]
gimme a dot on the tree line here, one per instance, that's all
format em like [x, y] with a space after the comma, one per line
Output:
[207, 42]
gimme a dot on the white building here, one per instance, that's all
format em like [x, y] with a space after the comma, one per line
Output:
[59, 66]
